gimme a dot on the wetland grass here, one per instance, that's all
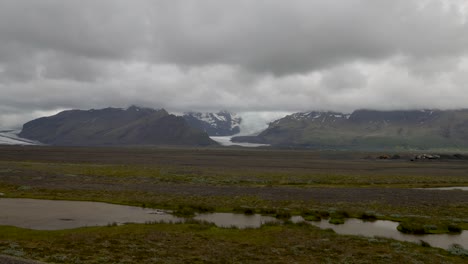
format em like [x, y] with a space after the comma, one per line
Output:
[280, 183]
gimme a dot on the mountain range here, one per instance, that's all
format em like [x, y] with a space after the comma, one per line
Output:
[361, 129]
[115, 126]
[368, 129]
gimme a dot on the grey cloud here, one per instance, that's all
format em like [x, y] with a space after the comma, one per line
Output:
[68, 30]
[271, 56]
[344, 77]
[97, 29]
[286, 37]
[64, 66]
[280, 37]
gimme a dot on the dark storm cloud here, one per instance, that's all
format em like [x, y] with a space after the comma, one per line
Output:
[264, 55]
[287, 37]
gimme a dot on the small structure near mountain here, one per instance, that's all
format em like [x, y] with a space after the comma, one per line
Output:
[426, 157]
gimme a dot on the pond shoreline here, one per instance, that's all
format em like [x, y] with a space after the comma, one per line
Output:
[29, 213]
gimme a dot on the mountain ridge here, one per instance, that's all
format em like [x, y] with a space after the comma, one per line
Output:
[114, 126]
[368, 129]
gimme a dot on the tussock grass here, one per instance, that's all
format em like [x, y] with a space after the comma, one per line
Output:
[198, 241]
[89, 173]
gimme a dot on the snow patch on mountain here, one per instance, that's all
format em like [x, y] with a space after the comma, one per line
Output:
[222, 123]
[316, 115]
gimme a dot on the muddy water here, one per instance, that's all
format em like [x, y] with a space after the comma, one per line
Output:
[462, 188]
[236, 220]
[54, 215]
[388, 229]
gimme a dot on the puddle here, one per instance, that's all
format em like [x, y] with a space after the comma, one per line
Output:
[388, 229]
[236, 220]
[462, 188]
[55, 215]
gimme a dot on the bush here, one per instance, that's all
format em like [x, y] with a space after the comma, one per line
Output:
[424, 243]
[245, 210]
[368, 216]
[190, 210]
[283, 214]
[267, 211]
[184, 212]
[453, 228]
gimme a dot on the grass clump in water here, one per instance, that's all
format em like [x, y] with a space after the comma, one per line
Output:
[188, 211]
[283, 214]
[413, 227]
[418, 226]
[337, 217]
[314, 215]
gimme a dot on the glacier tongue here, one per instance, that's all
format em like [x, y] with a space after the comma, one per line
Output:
[10, 137]
[226, 141]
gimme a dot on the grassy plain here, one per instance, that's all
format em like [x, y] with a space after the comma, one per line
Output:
[226, 180]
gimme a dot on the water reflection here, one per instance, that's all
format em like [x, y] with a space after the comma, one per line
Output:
[54, 215]
[388, 229]
[236, 220]
[461, 188]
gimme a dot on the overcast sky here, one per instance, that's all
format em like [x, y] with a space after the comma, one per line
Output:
[265, 56]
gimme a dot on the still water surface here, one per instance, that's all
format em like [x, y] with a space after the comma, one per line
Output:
[461, 188]
[54, 215]
[388, 229]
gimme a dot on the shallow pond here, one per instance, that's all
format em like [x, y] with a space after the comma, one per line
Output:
[462, 188]
[236, 220]
[55, 215]
[388, 229]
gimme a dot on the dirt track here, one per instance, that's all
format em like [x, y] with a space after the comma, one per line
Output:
[392, 196]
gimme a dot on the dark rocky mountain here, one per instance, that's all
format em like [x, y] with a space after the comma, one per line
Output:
[114, 126]
[369, 129]
[215, 124]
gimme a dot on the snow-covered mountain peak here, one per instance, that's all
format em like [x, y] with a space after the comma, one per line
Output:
[317, 115]
[222, 123]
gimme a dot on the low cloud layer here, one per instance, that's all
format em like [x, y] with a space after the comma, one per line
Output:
[246, 56]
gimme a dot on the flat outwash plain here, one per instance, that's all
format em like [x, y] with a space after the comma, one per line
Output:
[336, 185]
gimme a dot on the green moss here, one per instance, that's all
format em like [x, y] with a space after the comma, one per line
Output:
[199, 241]
[336, 221]
[427, 226]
